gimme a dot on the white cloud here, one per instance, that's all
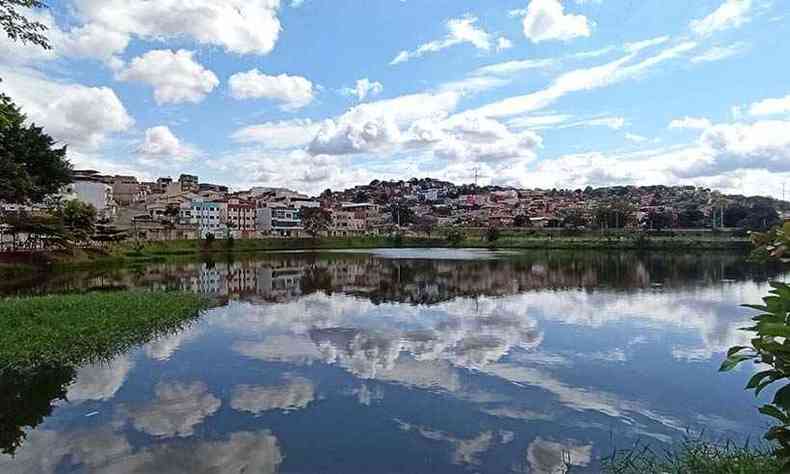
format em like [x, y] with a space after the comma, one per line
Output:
[93, 41]
[483, 139]
[635, 138]
[717, 53]
[76, 115]
[549, 457]
[160, 143]
[546, 20]
[349, 137]
[279, 135]
[377, 125]
[637, 46]
[764, 144]
[615, 123]
[512, 67]
[580, 80]
[364, 88]
[771, 106]
[177, 409]
[293, 92]
[175, 76]
[730, 14]
[539, 121]
[239, 26]
[100, 381]
[87, 41]
[293, 394]
[503, 43]
[690, 123]
[460, 30]
[474, 84]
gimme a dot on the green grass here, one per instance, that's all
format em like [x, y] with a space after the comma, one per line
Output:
[66, 330]
[694, 456]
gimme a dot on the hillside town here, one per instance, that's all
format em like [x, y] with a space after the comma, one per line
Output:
[187, 208]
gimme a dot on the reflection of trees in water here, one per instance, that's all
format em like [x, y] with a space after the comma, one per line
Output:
[26, 399]
[283, 277]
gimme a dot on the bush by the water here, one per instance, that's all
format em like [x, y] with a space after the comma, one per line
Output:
[694, 456]
[65, 330]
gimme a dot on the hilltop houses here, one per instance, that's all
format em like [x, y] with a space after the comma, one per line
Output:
[187, 208]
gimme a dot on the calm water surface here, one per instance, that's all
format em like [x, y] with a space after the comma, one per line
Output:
[400, 361]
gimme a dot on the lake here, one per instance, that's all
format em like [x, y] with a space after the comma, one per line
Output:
[400, 361]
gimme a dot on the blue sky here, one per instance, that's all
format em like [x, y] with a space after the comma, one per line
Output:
[332, 93]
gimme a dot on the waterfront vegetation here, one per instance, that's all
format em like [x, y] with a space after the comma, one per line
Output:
[70, 330]
[694, 456]
[157, 251]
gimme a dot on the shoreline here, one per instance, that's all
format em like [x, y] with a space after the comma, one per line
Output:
[160, 251]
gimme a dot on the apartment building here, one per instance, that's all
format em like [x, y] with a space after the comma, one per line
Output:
[241, 218]
[91, 191]
[210, 218]
[278, 220]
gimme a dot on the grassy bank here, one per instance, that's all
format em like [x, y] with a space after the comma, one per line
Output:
[581, 241]
[694, 456]
[65, 330]
[151, 252]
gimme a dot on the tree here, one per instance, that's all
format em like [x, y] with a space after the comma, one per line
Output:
[402, 215]
[734, 214]
[20, 28]
[31, 167]
[760, 217]
[316, 220]
[522, 220]
[492, 234]
[614, 215]
[455, 237]
[657, 220]
[79, 219]
[691, 216]
[425, 224]
[573, 218]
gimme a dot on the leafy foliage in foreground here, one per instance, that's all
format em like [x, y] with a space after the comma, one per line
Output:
[770, 347]
[27, 398]
[69, 330]
[774, 244]
[694, 456]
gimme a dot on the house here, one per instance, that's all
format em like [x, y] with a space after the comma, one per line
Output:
[278, 220]
[210, 217]
[241, 218]
[189, 182]
[346, 223]
[91, 191]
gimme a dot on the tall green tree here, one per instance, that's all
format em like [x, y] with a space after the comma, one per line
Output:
[19, 27]
[32, 166]
[79, 219]
[316, 220]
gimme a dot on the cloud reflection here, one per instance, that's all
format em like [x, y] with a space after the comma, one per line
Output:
[177, 409]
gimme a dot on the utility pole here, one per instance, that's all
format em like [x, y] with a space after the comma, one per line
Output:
[477, 169]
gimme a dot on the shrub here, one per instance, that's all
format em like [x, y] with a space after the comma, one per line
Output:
[209, 240]
[492, 234]
[455, 237]
[770, 347]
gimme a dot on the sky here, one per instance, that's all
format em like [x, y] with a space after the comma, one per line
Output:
[317, 94]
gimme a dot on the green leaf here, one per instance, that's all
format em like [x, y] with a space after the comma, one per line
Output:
[762, 386]
[731, 362]
[754, 382]
[773, 329]
[757, 307]
[734, 350]
[774, 412]
[782, 397]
